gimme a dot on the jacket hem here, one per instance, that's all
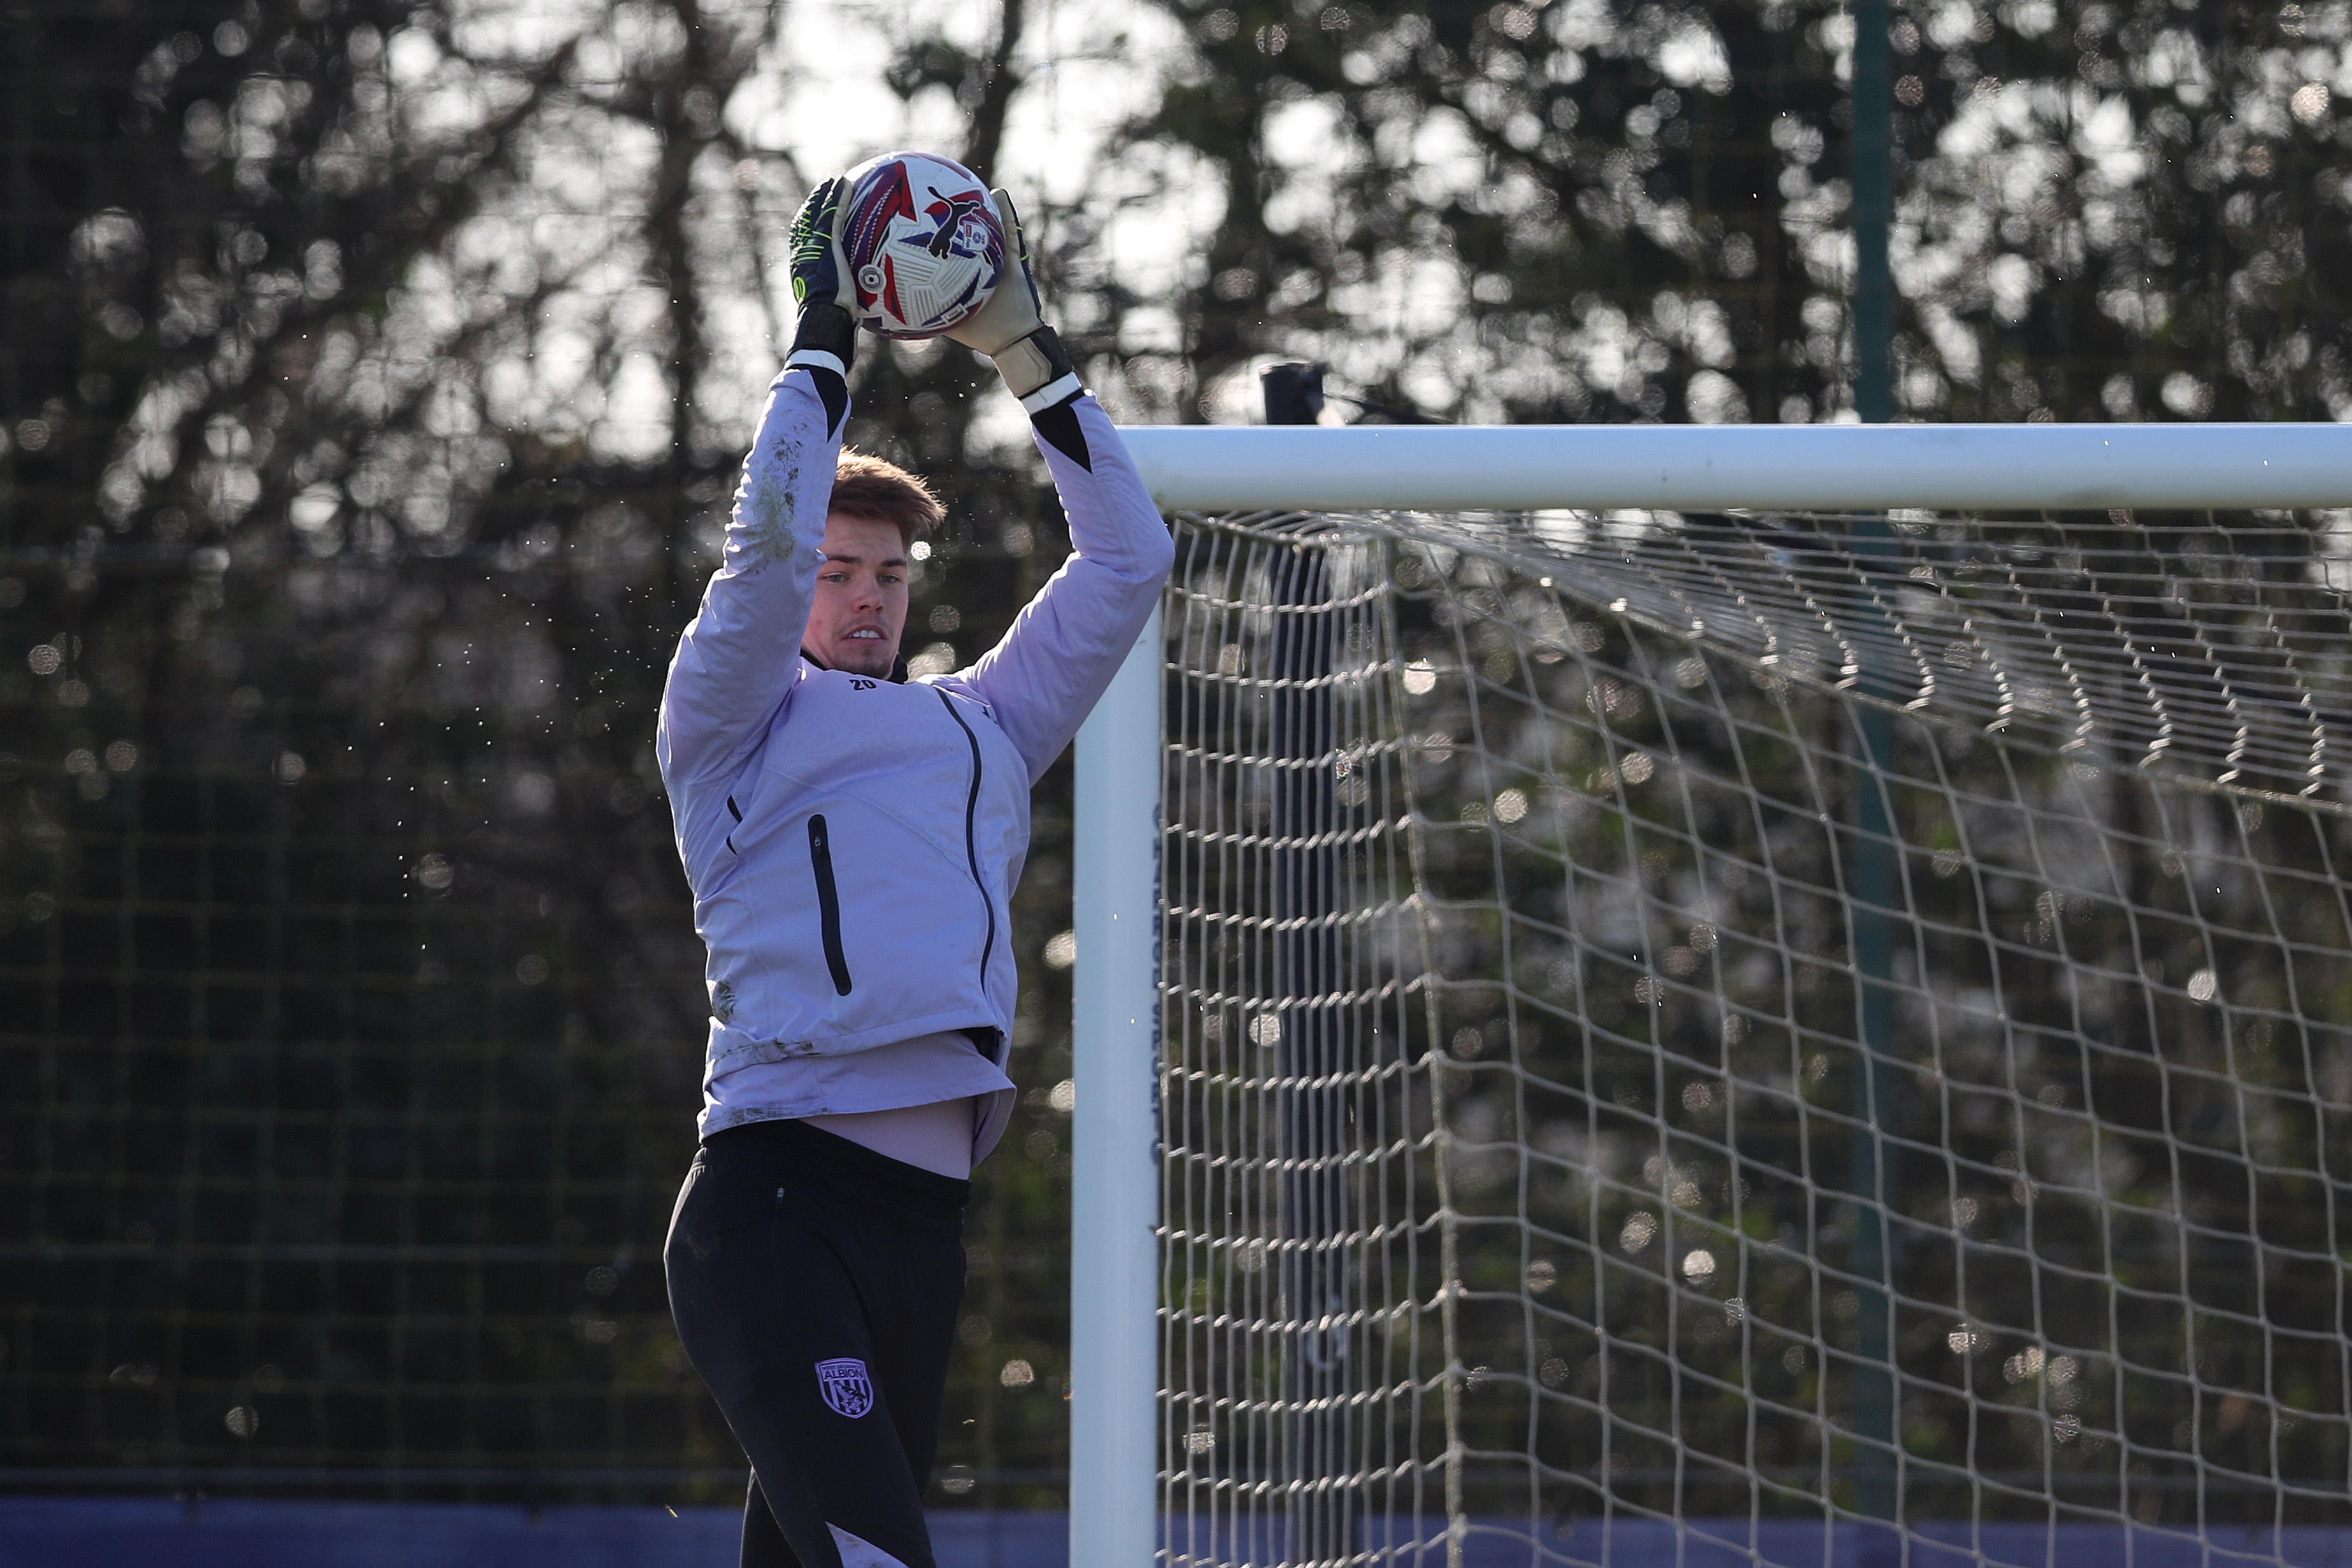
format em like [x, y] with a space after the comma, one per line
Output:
[722, 1057]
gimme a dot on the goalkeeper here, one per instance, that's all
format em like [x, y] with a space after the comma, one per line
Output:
[853, 840]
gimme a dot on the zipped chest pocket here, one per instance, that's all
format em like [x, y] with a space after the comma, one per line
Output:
[971, 835]
[828, 903]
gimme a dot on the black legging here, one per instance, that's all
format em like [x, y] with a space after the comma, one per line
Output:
[816, 1285]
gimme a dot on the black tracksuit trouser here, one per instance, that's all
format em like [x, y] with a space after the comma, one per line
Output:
[816, 1285]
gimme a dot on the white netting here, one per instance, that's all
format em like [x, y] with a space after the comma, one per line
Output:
[1553, 986]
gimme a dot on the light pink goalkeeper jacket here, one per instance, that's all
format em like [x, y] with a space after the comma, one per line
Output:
[853, 843]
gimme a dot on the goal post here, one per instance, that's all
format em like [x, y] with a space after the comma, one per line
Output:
[1802, 467]
[1706, 918]
[1114, 1194]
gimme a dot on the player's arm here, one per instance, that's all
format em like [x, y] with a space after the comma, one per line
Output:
[736, 663]
[1054, 663]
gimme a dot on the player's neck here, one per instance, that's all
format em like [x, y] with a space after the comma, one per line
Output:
[898, 676]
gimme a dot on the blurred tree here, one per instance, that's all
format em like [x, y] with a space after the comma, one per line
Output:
[372, 383]
[1578, 211]
[308, 614]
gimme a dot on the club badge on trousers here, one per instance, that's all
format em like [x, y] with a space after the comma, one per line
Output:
[845, 1386]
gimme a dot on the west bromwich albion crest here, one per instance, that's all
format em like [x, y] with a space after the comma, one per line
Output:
[845, 1386]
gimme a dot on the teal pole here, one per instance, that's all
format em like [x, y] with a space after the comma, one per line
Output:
[1873, 177]
[1873, 886]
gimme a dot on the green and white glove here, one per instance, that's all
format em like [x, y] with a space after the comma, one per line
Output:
[826, 338]
[1010, 328]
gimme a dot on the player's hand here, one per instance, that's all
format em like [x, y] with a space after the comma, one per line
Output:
[1011, 327]
[821, 284]
[820, 268]
[1012, 312]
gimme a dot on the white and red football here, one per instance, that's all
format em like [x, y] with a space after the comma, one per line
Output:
[923, 241]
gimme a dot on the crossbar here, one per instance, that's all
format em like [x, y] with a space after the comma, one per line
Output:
[1811, 468]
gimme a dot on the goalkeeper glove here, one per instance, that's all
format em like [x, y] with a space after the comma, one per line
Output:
[826, 338]
[1010, 329]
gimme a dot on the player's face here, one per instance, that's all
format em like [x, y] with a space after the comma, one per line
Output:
[861, 596]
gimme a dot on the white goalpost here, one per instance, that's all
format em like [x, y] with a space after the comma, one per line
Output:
[1724, 994]
[1813, 468]
[1115, 1131]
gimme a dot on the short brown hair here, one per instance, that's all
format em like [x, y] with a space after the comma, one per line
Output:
[881, 491]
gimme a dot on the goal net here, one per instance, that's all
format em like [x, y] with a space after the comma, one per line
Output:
[1753, 1037]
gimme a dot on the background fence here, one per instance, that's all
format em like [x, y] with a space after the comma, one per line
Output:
[371, 378]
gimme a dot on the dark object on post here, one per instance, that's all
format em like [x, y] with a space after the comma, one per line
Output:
[1294, 393]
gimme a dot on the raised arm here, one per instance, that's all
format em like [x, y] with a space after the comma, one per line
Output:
[740, 654]
[1052, 666]
[736, 664]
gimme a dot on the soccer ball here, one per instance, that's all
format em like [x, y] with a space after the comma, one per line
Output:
[924, 244]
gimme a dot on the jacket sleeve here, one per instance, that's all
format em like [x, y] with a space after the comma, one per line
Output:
[736, 664]
[1054, 663]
